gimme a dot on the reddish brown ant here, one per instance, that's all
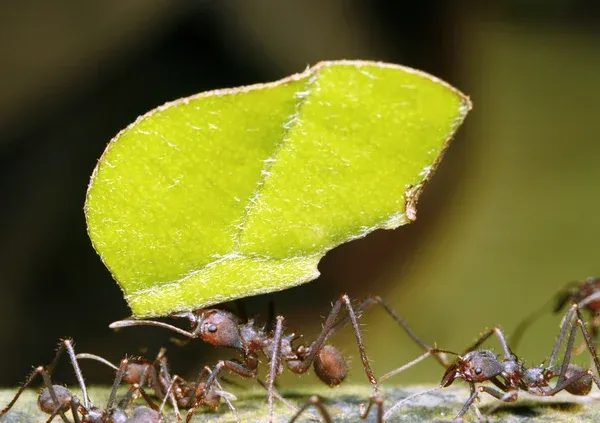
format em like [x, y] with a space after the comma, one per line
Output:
[57, 400]
[510, 375]
[155, 375]
[223, 329]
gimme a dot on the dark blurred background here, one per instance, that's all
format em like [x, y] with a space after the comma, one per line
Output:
[511, 216]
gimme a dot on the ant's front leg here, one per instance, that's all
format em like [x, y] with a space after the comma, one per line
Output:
[509, 396]
[233, 367]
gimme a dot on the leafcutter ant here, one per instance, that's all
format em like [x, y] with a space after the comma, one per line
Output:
[57, 400]
[510, 375]
[223, 329]
[155, 375]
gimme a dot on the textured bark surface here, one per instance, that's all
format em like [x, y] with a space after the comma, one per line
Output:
[343, 404]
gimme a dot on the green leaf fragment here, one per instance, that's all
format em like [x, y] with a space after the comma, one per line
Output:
[238, 192]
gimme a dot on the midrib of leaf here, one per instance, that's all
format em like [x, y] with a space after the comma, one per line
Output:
[266, 171]
[252, 199]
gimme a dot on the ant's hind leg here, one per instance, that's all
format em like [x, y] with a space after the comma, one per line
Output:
[318, 404]
[329, 327]
[368, 302]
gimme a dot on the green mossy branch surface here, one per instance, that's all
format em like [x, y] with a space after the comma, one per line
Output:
[344, 402]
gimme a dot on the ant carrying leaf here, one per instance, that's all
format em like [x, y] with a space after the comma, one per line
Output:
[223, 329]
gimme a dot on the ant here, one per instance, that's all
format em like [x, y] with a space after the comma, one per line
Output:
[510, 375]
[57, 400]
[224, 329]
[587, 296]
[155, 375]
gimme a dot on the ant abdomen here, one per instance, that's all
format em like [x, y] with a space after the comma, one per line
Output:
[47, 404]
[330, 366]
[581, 386]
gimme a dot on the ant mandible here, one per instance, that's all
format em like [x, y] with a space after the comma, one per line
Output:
[223, 329]
[511, 375]
[57, 400]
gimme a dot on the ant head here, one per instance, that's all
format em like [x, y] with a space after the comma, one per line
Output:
[218, 327]
[476, 366]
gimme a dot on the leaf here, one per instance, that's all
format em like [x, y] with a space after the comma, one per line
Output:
[343, 403]
[237, 192]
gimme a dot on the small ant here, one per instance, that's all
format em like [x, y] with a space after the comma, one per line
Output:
[57, 400]
[511, 375]
[223, 329]
[155, 375]
[587, 296]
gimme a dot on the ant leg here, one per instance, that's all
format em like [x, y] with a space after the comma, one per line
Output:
[509, 396]
[501, 338]
[37, 371]
[68, 345]
[54, 397]
[275, 363]
[222, 393]
[590, 343]
[40, 370]
[169, 393]
[316, 402]
[368, 302]
[474, 394]
[164, 373]
[566, 322]
[562, 382]
[75, 408]
[233, 367]
[116, 383]
[280, 397]
[146, 397]
[376, 401]
[329, 328]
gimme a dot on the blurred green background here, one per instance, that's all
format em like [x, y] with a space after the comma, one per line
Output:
[509, 218]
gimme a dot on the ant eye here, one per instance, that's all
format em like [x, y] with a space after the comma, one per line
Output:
[478, 371]
[212, 328]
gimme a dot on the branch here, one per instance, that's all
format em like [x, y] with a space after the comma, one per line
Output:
[343, 403]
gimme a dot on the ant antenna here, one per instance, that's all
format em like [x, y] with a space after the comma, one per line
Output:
[86, 356]
[408, 398]
[127, 323]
